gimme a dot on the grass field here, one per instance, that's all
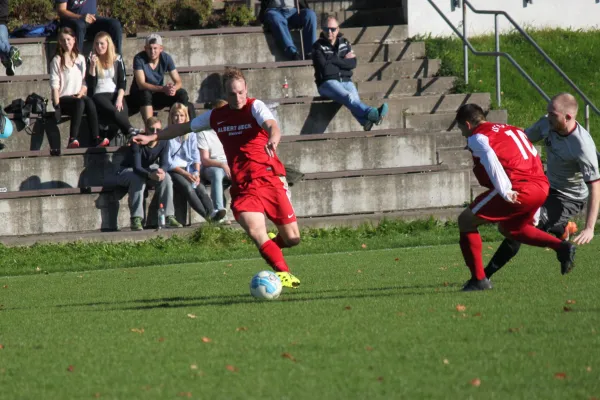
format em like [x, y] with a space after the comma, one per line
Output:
[377, 324]
[575, 52]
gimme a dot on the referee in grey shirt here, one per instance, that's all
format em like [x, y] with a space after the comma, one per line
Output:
[572, 169]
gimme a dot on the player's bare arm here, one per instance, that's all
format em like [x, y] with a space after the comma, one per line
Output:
[274, 136]
[587, 234]
[170, 132]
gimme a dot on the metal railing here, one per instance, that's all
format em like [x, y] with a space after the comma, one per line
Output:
[497, 54]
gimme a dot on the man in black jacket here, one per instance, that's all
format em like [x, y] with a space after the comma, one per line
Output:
[334, 61]
[279, 15]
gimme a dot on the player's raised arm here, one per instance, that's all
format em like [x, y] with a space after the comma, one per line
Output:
[201, 122]
[480, 146]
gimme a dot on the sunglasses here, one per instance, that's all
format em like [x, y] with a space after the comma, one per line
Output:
[330, 29]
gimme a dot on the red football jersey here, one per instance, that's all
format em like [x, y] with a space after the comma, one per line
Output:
[516, 154]
[244, 142]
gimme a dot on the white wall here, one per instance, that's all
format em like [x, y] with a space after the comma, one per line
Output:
[578, 14]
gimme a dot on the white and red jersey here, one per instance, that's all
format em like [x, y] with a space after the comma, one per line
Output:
[243, 139]
[504, 157]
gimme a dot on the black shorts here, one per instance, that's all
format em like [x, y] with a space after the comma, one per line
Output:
[557, 211]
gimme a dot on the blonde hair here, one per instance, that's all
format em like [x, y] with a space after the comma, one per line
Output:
[219, 103]
[107, 60]
[174, 109]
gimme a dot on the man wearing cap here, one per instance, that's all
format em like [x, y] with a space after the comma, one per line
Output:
[81, 16]
[148, 90]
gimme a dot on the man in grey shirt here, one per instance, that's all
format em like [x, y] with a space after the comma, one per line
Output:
[572, 169]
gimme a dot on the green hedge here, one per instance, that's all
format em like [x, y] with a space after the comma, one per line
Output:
[141, 15]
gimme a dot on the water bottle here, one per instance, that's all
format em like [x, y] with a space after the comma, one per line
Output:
[196, 175]
[286, 87]
[162, 218]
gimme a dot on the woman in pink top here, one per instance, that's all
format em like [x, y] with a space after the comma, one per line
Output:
[67, 80]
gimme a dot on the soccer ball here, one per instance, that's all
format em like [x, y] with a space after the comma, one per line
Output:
[265, 285]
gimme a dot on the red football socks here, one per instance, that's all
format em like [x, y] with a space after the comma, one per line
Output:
[532, 236]
[280, 242]
[273, 256]
[471, 247]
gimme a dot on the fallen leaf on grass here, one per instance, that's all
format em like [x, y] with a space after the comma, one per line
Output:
[192, 316]
[477, 314]
[359, 271]
[193, 367]
[476, 382]
[97, 395]
[567, 309]
[364, 246]
[514, 330]
[136, 330]
[206, 340]
[161, 339]
[230, 265]
[446, 284]
[1, 346]
[490, 248]
[288, 356]
[71, 368]
[445, 361]
[232, 368]
[560, 375]
[5, 287]
[400, 314]
[244, 241]
[461, 308]
[396, 259]
[347, 308]
[571, 302]
[241, 328]
[380, 378]
[589, 369]
[37, 269]
[368, 348]
[443, 268]
[185, 394]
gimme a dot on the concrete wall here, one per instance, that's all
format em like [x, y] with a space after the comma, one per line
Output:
[326, 155]
[421, 112]
[577, 14]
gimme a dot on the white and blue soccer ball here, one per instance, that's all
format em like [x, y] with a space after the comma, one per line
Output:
[265, 285]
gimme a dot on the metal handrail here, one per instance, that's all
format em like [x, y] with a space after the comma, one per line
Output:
[498, 54]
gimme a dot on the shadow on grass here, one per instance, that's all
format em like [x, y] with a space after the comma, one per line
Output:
[289, 296]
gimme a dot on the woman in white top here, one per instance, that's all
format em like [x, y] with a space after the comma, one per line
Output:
[106, 82]
[214, 165]
[67, 80]
[184, 167]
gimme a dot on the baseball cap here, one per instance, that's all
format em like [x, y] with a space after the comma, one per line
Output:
[154, 37]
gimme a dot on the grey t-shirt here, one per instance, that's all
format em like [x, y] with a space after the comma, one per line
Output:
[571, 160]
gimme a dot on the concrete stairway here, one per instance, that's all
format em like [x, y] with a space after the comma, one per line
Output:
[412, 164]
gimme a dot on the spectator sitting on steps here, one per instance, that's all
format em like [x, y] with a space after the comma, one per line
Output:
[10, 55]
[334, 61]
[214, 168]
[69, 90]
[148, 90]
[280, 15]
[80, 15]
[106, 82]
[138, 169]
[184, 166]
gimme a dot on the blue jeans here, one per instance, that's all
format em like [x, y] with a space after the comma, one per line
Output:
[4, 44]
[345, 93]
[216, 176]
[278, 20]
[84, 30]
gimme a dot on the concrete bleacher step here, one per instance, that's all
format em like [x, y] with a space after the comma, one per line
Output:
[444, 121]
[267, 82]
[213, 47]
[294, 119]
[322, 6]
[308, 154]
[455, 157]
[342, 193]
[366, 17]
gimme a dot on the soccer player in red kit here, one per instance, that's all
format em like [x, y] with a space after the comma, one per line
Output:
[250, 136]
[508, 165]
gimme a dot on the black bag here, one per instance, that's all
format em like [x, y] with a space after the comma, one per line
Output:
[19, 109]
[38, 104]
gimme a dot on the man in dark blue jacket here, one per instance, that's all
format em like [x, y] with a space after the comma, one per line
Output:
[137, 169]
[334, 61]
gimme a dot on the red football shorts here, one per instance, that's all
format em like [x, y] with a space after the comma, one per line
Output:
[269, 195]
[491, 207]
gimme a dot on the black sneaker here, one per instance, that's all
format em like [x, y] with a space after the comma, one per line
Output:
[297, 57]
[9, 65]
[15, 56]
[566, 256]
[474, 285]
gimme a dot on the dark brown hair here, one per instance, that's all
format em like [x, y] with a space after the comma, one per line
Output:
[60, 51]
